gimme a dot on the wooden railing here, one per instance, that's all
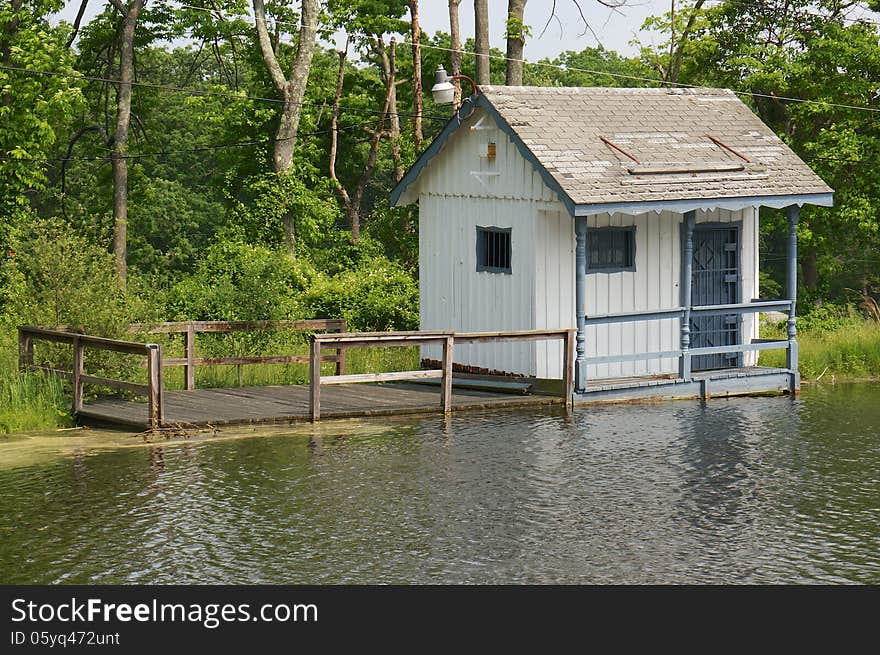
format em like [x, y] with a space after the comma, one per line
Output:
[189, 330]
[445, 338]
[683, 314]
[77, 376]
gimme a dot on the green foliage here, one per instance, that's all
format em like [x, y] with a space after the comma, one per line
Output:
[28, 401]
[31, 109]
[60, 278]
[590, 67]
[238, 281]
[376, 296]
[515, 28]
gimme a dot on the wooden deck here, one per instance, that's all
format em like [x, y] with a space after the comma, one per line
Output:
[290, 404]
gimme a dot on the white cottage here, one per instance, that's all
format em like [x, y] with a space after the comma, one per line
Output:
[631, 214]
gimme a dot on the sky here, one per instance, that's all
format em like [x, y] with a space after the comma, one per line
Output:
[615, 28]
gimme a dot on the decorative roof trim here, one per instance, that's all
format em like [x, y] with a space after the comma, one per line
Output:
[454, 124]
[681, 206]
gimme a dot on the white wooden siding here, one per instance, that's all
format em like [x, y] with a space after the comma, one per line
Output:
[540, 291]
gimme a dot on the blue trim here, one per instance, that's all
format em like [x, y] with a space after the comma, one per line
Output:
[450, 127]
[682, 206]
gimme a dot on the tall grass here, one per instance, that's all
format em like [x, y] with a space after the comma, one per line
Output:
[29, 401]
[851, 350]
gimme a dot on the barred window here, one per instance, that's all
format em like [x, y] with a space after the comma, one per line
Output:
[493, 249]
[611, 249]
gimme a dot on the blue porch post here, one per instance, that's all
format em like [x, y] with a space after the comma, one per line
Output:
[791, 360]
[580, 302]
[687, 267]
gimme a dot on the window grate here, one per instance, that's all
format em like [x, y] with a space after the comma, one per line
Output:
[611, 249]
[493, 249]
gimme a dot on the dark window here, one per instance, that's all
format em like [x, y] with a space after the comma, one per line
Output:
[611, 249]
[493, 249]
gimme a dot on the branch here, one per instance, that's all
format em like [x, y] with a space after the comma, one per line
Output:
[269, 57]
[334, 129]
[675, 64]
[119, 7]
[76, 24]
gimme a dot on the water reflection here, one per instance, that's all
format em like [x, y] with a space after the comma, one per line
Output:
[746, 490]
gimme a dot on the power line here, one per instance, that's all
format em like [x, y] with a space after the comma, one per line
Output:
[219, 146]
[654, 80]
[206, 92]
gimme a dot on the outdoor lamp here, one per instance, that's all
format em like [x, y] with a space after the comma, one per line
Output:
[443, 92]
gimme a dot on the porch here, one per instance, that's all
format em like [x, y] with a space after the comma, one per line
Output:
[695, 367]
[734, 380]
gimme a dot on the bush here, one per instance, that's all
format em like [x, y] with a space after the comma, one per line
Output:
[237, 281]
[60, 278]
[828, 318]
[377, 296]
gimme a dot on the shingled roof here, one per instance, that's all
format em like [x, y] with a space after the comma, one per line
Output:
[602, 146]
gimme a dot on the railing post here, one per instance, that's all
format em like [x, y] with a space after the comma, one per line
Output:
[315, 379]
[568, 367]
[340, 352]
[580, 304]
[687, 267]
[792, 212]
[78, 351]
[25, 350]
[189, 351]
[446, 380]
[154, 365]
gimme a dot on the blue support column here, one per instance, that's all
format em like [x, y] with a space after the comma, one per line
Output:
[792, 212]
[687, 267]
[580, 302]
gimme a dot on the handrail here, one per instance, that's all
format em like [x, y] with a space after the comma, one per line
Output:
[684, 353]
[152, 390]
[703, 310]
[401, 339]
[190, 328]
[181, 327]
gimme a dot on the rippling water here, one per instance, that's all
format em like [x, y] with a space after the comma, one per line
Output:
[746, 490]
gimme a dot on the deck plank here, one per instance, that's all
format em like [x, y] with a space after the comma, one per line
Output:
[285, 404]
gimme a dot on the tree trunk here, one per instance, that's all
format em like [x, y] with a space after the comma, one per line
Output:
[354, 213]
[292, 90]
[417, 74]
[515, 42]
[455, 55]
[388, 59]
[481, 37]
[118, 154]
[810, 269]
[334, 134]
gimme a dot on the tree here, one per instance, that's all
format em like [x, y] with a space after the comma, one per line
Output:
[516, 34]
[291, 89]
[481, 39]
[455, 54]
[119, 140]
[416, 31]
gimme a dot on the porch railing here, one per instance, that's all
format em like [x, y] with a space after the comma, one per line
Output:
[684, 353]
[27, 335]
[447, 339]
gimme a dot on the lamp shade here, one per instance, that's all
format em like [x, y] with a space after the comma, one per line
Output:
[442, 91]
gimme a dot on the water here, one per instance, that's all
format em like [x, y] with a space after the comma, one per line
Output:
[734, 491]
